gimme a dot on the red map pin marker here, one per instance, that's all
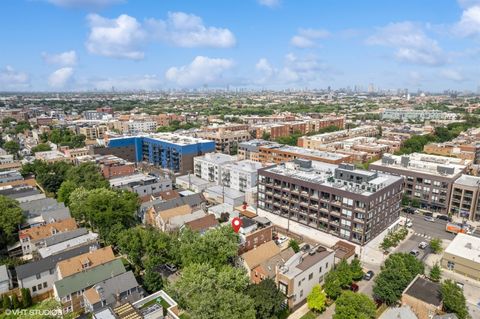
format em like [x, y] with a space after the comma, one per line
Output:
[236, 224]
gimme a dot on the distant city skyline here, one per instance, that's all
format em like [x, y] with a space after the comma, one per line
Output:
[86, 45]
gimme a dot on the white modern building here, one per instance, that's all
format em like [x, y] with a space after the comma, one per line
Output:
[241, 175]
[209, 166]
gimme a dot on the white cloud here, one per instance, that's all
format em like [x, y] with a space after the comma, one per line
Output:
[269, 3]
[468, 3]
[118, 38]
[469, 24]
[306, 37]
[67, 58]
[85, 3]
[410, 42]
[125, 36]
[202, 70]
[60, 77]
[188, 31]
[452, 75]
[295, 70]
[10, 79]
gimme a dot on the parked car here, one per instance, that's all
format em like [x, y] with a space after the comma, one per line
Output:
[429, 219]
[409, 224]
[409, 210]
[423, 245]
[354, 287]
[414, 252]
[444, 217]
[368, 275]
[459, 284]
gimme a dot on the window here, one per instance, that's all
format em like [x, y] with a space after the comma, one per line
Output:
[52, 271]
[39, 276]
[45, 285]
[34, 289]
[326, 265]
[299, 283]
[320, 270]
[301, 293]
[39, 286]
[450, 265]
[310, 276]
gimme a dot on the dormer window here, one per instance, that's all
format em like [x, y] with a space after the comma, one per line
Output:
[85, 263]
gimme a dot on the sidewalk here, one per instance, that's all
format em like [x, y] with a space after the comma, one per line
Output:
[299, 312]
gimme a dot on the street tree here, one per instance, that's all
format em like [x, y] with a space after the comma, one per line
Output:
[317, 299]
[356, 269]
[267, 299]
[436, 245]
[397, 272]
[435, 273]
[352, 305]
[453, 299]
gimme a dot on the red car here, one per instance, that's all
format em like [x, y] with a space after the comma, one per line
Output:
[354, 287]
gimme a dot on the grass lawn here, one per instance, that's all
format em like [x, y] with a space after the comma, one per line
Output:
[184, 316]
[309, 315]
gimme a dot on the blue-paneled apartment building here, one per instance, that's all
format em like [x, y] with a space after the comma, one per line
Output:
[167, 150]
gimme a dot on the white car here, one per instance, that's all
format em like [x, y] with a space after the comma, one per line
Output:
[282, 239]
[422, 245]
[409, 224]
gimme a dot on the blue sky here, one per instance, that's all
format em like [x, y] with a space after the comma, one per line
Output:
[62, 45]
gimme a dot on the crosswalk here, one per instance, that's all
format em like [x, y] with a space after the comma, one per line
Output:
[423, 235]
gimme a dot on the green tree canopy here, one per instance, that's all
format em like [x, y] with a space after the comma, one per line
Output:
[209, 293]
[332, 285]
[435, 273]
[317, 299]
[453, 299]
[49, 175]
[11, 147]
[152, 281]
[11, 217]
[217, 247]
[356, 269]
[436, 245]
[398, 271]
[267, 299]
[351, 305]
[101, 208]
[294, 245]
[42, 147]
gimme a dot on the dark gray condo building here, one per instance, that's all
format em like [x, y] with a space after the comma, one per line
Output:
[340, 200]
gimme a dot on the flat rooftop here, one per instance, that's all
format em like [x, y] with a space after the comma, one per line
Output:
[216, 158]
[465, 246]
[306, 151]
[324, 174]
[172, 138]
[245, 166]
[468, 180]
[126, 180]
[425, 290]
[425, 163]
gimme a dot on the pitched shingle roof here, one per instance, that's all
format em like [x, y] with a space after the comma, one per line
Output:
[33, 268]
[44, 231]
[93, 258]
[88, 278]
